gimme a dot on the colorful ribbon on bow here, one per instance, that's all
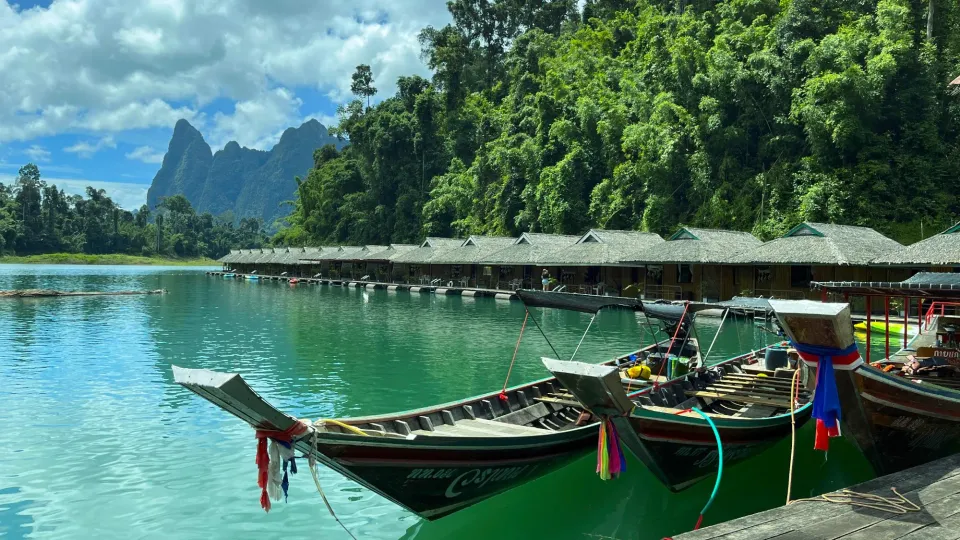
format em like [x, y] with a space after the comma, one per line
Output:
[269, 461]
[826, 400]
[610, 461]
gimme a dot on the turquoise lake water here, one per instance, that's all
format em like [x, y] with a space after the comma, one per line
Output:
[97, 440]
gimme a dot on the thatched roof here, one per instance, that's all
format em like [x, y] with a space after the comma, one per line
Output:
[430, 248]
[388, 253]
[352, 253]
[331, 253]
[703, 246]
[940, 249]
[306, 258]
[230, 257]
[599, 247]
[474, 250]
[291, 256]
[261, 256]
[528, 249]
[821, 243]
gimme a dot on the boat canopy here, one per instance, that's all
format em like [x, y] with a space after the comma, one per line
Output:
[588, 303]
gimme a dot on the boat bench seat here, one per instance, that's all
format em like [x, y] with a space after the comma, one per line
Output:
[481, 427]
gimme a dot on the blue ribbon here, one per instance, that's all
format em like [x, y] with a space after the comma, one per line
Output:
[826, 399]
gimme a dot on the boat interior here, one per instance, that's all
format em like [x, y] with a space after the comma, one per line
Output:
[931, 357]
[735, 388]
[533, 409]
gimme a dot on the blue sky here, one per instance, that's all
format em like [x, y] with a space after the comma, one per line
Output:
[92, 88]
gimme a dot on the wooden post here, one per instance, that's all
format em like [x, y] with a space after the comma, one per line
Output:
[868, 328]
[823, 294]
[886, 320]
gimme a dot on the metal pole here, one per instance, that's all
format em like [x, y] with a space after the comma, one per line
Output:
[583, 336]
[906, 318]
[920, 315]
[886, 320]
[868, 328]
[703, 361]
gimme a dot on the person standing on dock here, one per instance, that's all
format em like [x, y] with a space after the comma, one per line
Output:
[545, 279]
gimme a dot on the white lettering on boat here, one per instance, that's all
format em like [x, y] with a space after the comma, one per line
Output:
[477, 478]
[708, 456]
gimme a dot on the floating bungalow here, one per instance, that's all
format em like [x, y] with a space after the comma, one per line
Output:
[940, 252]
[594, 264]
[785, 267]
[416, 265]
[515, 266]
[694, 264]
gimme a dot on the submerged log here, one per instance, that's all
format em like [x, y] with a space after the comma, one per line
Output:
[47, 293]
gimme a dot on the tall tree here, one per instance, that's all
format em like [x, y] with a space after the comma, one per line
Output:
[362, 85]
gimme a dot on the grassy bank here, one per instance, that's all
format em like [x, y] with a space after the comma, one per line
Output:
[83, 258]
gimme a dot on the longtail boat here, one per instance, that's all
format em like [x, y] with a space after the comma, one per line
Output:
[751, 410]
[897, 419]
[441, 459]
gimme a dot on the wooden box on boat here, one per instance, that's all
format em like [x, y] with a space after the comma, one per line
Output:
[815, 323]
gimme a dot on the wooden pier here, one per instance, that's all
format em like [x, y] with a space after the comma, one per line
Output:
[372, 285]
[934, 488]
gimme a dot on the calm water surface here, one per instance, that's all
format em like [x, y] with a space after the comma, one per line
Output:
[97, 440]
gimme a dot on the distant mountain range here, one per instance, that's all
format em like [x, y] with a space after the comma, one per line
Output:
[250, 182]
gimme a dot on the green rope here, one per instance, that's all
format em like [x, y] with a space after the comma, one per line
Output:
[716, 485]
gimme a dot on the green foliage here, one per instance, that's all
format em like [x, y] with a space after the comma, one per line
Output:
[744, 114]
[36, 218]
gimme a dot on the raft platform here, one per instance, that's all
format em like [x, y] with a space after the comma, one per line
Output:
[372, 285]
[934, 487]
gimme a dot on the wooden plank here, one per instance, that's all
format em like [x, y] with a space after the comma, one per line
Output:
[526, 415]
[779, 521]
[763, 392]
[567, 402]
[739, 397]
[835, 527]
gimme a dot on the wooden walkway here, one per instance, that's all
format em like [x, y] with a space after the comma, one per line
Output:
[934, 487]
[411, 287]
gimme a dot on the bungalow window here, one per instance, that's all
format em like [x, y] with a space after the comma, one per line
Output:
[456, 270]
[684, 273]
[414, 270]
[801, 276]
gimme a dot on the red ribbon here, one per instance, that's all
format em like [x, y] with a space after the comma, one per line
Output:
[263, 457]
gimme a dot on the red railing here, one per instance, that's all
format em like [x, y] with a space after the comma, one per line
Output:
[932, 312]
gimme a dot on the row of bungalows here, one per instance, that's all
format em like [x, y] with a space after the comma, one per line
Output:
[693, 263]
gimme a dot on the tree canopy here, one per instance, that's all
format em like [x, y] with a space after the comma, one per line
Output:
[743, 114]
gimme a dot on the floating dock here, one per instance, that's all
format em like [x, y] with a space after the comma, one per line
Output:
[934, 488]
[371, 285]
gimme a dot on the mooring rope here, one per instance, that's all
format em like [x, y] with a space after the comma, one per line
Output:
[794, 392]
[503, 391]
[716, 485]
[900, 505]
[312, 464]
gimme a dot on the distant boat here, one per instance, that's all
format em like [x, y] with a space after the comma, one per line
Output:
[880, 327]
[230, 275]
[252, 277]
[293, 281]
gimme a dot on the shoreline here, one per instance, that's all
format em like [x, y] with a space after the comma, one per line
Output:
[104, 259]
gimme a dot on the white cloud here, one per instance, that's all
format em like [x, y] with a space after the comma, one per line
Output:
[37, 153]
[104, 66]
[127, 195]
[87, 149]
[146, 154]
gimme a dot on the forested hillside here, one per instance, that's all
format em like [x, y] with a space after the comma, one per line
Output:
[36, 217]
[742, 114]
